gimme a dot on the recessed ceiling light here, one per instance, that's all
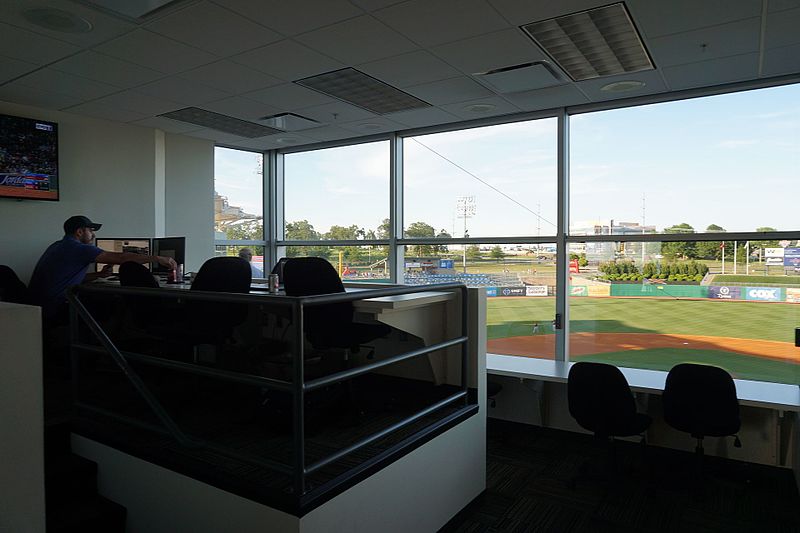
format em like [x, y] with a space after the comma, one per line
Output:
[58, 20]
[622, 86]
[480, 108]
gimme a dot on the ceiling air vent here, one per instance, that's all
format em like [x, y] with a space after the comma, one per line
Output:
[215, 121]
[289, 122]
[357, 88]
[525, 77]
[592, 44]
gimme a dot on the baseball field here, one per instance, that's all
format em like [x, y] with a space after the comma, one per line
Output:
[752, 340]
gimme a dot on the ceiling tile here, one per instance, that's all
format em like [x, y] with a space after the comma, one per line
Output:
[705, 44]
[13, 68]
[372, 126]
[283, 16]
[549, 98]
[63, 83]
[239, 107]
[448, 91]
[780, 5]
[710, 73]
[210, 27]
[783, 29]
[25, 45]
[334, 112]
[462, 109]
[432, 22]
[230, 77]
[106, 69]
[214, 135]
[289, 96]
[487, 52]
[167, 124]
[419, 118]
[104, 27]
[287, 60]
[519, 12]
[275, 141]
[24, 94]
[778, 61]
[373, 5]
[135, 101]
[409, 69]
[94, 109]
[328, 133]
[154, 51]
[652, 79]
[358, 40]
[655, 19]
[183, 91]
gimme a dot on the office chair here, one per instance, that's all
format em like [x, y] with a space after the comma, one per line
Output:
[12, 289]
[701, 400]
[601, 401]
[135, 275]
[493, 388]
[278, 268]
[331, 325]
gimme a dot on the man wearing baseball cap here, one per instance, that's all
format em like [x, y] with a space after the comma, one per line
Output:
[65, 262]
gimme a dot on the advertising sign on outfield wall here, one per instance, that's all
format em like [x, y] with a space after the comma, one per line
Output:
[791, 257]
[536, 290]
[725, 293]
[491, 291]
[599, 290]
[578, 290]
[773, 252]
[793, 295]
[512, 291]
[764, 294]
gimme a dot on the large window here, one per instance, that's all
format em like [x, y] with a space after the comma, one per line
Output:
[495, 181]
[238, 195]
[337, 193]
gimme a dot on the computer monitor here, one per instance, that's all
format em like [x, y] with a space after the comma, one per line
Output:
[174, 247]
[137, 245]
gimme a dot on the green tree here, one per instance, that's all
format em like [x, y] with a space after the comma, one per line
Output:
[473, 252]
[441, 248]
[765, 244]
[679, 250]
[421, 230]
[710, 249]
[301, 230]
[383, 229]
[497, 253]
[249, 230]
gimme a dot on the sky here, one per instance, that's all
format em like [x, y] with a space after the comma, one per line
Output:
[731, 160]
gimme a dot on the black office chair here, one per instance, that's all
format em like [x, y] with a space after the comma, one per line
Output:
[278, 268]
[601, 401]
[701, 400]
[12, 289]
[145, 312]
[135, 275]
[331, 325]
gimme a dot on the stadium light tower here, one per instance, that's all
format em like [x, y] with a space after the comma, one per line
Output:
[465, 207]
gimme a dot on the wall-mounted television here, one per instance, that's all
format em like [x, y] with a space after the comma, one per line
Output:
[28, 158]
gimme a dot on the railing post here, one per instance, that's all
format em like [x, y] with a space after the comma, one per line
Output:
[464, 345]
[298, 396]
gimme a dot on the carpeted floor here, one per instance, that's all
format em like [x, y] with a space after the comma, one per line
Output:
[528, 489]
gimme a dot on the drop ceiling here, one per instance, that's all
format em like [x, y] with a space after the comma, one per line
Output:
[241, 58]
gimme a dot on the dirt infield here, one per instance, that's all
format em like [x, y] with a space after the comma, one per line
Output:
[543, 346]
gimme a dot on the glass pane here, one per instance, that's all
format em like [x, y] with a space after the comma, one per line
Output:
[671, 303]
[253, 254]
[238, 196]
[728, 162]
[458, 183]
[520, 281]
[353, 263]
[323, 187]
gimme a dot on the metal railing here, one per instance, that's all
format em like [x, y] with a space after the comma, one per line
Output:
[298, 387]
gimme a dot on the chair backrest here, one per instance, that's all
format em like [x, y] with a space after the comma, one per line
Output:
[11, 287]
[701, 400]
[599, 397]
[278, 268]
[223, 274]
[135, 275]
[307, 276]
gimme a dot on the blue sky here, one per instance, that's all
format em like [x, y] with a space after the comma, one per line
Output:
[731, 160]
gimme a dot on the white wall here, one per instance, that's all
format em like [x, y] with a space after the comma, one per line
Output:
[115, 174]
[190, 196]
[22, 427]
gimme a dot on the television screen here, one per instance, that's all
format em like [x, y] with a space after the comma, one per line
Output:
[28, 158]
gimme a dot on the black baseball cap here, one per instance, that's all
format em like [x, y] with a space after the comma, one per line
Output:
[73, 224]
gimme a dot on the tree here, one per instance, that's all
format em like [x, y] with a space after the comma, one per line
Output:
[344, 233]
[473, 252]
[249, 230]
[682, 250]
[421, 230]
[710, 249]
[441, 248]
[383, 229]
[766, 244]
[497, 253]
[301, 230]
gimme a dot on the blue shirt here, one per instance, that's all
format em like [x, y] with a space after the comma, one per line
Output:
[255, 272]
[61, 266]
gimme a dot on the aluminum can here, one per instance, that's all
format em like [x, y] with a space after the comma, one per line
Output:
[272, 281]
[171, 276]
[179, 274]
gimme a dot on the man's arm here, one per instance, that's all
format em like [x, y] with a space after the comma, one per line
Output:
[117, 258]
[104, 273]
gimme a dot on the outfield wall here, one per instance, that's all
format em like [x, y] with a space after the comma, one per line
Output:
[714, 292]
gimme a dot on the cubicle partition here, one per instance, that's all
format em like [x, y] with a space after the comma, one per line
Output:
[100, 349]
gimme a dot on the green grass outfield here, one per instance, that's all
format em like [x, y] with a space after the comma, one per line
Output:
[512, 317]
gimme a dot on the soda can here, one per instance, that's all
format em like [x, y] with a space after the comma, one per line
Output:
[272, 281]
[179, 274]
[171, 276]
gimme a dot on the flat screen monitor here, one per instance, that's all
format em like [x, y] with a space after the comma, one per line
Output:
[174, 247]
[135, 246]
[28, 158]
